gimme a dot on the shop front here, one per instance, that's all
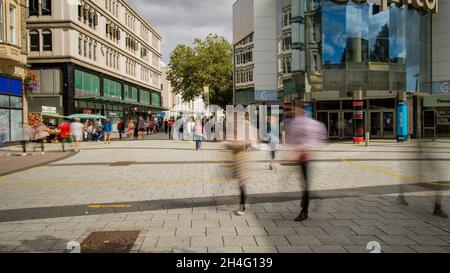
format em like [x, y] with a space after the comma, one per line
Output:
[11, 108]
[436, 116]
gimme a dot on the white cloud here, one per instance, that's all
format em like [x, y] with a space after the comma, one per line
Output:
[181, 21]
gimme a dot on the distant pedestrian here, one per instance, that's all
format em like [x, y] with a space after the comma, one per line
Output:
[120, 128]
[107, 128]
[147, 126]
[198, 134]
[64, 133]
[305, 134]
[166, 126]
[131, 129]
[76, 129]
[141, 128]
[170, 128]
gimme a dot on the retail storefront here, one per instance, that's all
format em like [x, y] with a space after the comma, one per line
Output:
[11, 108]
[436, 116]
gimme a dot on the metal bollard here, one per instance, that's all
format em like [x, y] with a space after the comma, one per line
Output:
[367, 139]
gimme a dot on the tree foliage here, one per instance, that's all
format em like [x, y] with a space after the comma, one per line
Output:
[207, 63]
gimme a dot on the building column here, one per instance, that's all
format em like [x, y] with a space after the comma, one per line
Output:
[402, 117]
[68, 71]
[358, 117]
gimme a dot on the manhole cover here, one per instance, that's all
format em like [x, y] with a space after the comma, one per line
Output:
[109, 242]
[122, 163]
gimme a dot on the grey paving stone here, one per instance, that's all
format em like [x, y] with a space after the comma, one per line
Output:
[160, 232]
[316, 223]
[427, 230]
[339, 230]
[396, 249]
[329, 249]
[394, 230]
[149, 242]
[429, 249]
[303, 240]
[344, 215]
[239, 241]
[260, 249]
[169, 241]
[428, 240]
[280, 231]
[286, 223]
[271, 240]
[397, 240]
[190, 250]
[177, 223]
[367, 230]
[223, 231]
[272, 215]
[236, 249]
[294, 249]
[206, 223]
[356, 249]
[250, 231]
[334, 240]
[310, 231]
[194, 216]
[233, 223]
[207, 241]
[367, 222]
[261, 223]
[362, 239]
[341, 223]
[150, 224]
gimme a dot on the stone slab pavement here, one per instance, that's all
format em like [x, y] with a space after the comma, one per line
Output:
[190, 196]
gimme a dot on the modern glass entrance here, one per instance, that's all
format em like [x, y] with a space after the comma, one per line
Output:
[382, 124]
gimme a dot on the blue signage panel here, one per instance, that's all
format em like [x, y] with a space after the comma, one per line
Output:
[402, 121]
[15, 87]
[308, 107]
[4, 85]
[441, 88]
[266, 95]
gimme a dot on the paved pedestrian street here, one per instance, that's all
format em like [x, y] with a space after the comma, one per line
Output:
[182, 200]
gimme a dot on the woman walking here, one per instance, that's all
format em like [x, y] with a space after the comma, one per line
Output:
[198, 134]
[131, 129]
[40, 133]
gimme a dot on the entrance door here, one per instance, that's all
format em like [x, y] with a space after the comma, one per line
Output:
[375, 124]
[388, 124]
[333, 124]
[429, 124]
[348, 125]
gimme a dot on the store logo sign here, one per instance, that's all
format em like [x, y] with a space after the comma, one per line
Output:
[441, 87]
[425, 5]
[445, 87]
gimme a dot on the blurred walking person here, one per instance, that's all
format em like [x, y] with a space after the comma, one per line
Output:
[305, 134]
[141, 128]
[120, 128]
[429, 166]
[40, 134]
[107, 128]
[76, 129]
[26, 136]
[198, 134]
[64, 133]
[274, 142]
[131, 129]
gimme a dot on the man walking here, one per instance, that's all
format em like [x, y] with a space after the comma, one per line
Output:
[63, 133]
[305, 134]
[120, 127]
[76, 128]
[107, 128]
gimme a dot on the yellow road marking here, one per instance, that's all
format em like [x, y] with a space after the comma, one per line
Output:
[101, 206]
[401, 177]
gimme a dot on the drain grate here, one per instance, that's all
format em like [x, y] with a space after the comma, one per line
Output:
[122, 163]
[109, 242]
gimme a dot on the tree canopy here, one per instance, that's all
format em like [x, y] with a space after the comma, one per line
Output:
[207, 63]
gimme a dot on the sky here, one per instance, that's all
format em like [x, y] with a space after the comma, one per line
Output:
[181, 21]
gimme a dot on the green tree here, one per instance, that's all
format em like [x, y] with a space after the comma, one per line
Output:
[208, 62]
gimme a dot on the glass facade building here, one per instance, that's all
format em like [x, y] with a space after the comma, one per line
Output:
[341, 47]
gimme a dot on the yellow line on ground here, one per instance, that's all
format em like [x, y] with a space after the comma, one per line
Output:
[101, 206]
[401, 177]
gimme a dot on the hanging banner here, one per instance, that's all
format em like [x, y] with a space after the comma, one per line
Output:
[402, 121]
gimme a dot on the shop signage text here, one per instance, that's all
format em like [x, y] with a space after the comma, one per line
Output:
[441, 87]
[48, 109]
[425, 5]
[437, 101]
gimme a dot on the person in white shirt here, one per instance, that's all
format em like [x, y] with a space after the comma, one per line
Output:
[189, 129]
[76, 129]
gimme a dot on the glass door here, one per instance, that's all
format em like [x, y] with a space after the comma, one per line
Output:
[333, 124]
[429, 124]
[388, 124]
[348, 125]
[375, 124]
